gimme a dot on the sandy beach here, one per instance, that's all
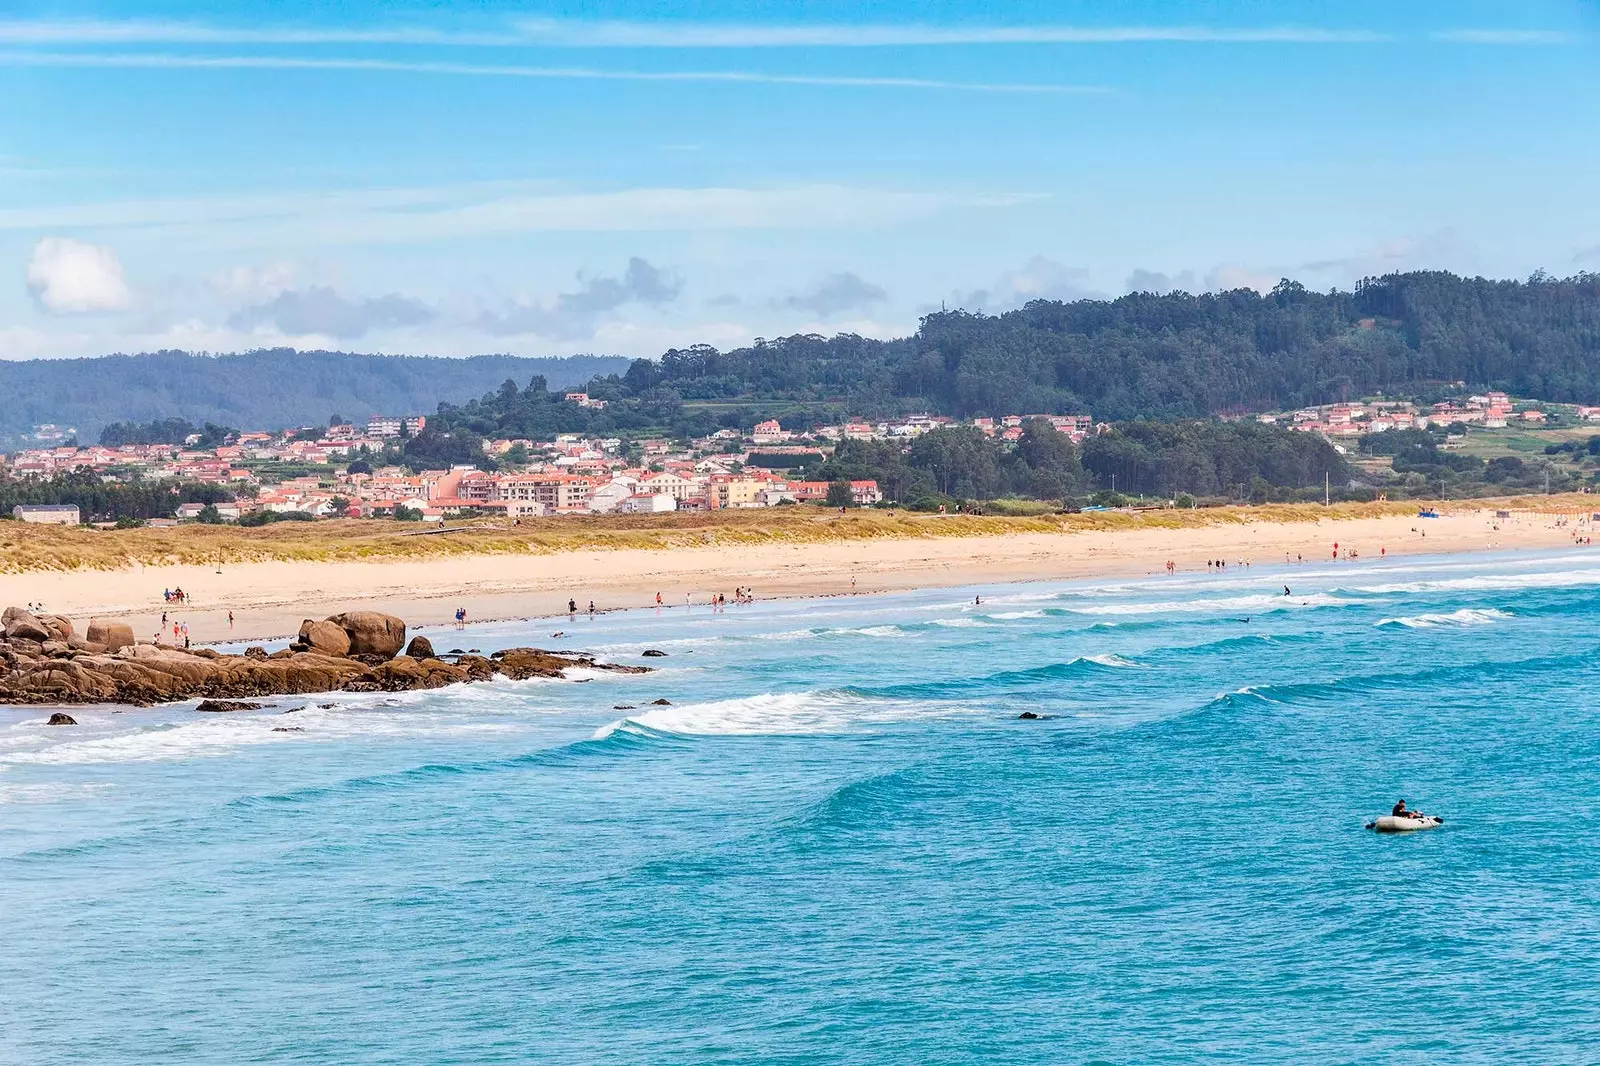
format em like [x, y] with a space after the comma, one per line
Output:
[269, 599]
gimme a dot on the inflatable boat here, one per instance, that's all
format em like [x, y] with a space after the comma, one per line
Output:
[1391, 824]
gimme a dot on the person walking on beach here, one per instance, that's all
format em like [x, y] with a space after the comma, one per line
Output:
[572, 607]
[591, 608]
[230, 620]
[658, 599]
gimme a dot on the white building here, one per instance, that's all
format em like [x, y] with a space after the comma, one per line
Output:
[648, 503]
[47, 514]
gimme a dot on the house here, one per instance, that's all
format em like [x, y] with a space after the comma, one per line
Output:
[648, 503]
[1537, 417]
[865, 493]
[674, 485]
[47, 514]
[608, 498]
[769, 432]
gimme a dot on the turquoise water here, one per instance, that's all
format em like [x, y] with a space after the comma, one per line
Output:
[840, 845]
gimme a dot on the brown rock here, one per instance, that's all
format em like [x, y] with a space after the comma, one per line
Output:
[420, 648]
[110, 635]
[11, 614]
[61, 719]
[403, 674]
[521, 663]
[60, 626]
[255, 652]
[27, 628]
[372, 632]
[325, 637]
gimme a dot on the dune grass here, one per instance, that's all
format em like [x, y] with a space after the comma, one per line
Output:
[29, 548]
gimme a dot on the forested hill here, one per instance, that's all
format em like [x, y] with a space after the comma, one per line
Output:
[1179, 355]
[267, 389]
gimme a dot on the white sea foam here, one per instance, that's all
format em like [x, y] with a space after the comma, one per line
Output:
[1467, 616]
[213, 735]
[1489, 582]
[964, 623]
[1009, 615]
[1110, 660]
[1229, 604]
[778, 714]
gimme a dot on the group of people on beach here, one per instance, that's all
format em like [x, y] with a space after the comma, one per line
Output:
[175, 595]
[180, 630]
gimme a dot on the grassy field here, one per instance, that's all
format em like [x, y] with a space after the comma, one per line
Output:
[25, 548]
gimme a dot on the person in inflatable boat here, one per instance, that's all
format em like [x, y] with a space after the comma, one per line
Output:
[1402, 811]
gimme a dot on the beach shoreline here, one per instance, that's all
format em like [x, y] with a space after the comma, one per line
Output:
[269, 599]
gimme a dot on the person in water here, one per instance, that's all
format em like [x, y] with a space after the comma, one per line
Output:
[1286, 591]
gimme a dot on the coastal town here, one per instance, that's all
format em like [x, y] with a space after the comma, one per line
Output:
[347, 470]
[569, 475]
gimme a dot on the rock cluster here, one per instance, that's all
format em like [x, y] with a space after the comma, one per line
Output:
[43, 661]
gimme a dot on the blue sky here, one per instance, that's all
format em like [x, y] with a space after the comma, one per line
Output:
[548, 179]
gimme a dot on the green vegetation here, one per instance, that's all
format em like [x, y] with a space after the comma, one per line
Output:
[165, 431]
[269, 389]
[1141, 356]
[1217, 459]
[108, 501]
[1431, 463]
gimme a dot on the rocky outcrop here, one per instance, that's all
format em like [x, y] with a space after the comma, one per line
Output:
[420, 648]
[104, 669]
[108, 636]
[61, 719]
[22, 625]
[372, 633]
[326, 637]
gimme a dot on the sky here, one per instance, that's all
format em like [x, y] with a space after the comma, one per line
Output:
[549, 179]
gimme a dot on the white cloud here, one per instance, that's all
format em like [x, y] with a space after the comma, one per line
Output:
[321, 311]
[1039, 278]
[1155, 281]
[1510, 37]
[67, 276]
[1228, 277]
[144, 60]
[834, 295]
[574, 315]
[732, 35]
[565, 33]
[399, 216]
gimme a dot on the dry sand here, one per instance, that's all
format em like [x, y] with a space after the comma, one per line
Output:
[271, 598]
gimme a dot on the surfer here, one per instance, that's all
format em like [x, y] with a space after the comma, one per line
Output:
[1286, 591]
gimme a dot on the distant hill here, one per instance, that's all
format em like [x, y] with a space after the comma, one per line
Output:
[267, 389]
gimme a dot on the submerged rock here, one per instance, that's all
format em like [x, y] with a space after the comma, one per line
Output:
[218, 706]
[61, 719]
[653, 653]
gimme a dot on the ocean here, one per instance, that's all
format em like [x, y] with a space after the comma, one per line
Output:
[838, 843]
